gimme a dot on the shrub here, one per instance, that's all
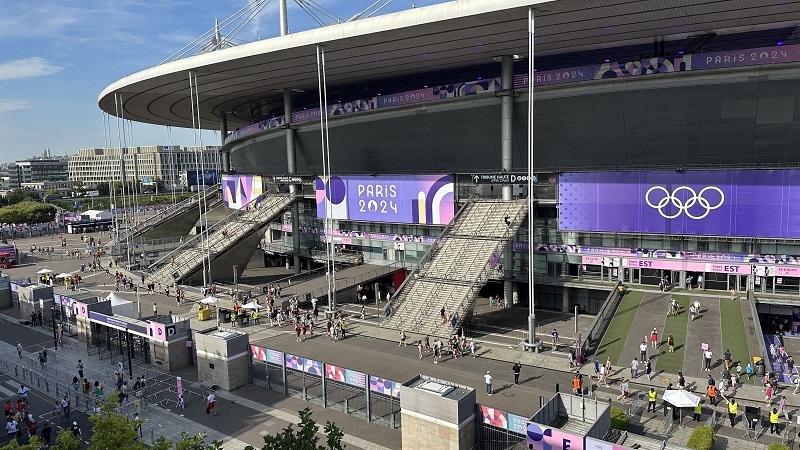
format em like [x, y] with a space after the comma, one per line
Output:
[702, 438]
[619, 420]
[777, 446]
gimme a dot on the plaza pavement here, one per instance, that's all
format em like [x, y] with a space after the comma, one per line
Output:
[374, 350]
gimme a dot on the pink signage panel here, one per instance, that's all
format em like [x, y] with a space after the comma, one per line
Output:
[81, 310]
[690, 266]
[596, 260]
[788, 271]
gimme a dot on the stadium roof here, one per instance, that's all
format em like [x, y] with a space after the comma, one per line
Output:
[460, 33]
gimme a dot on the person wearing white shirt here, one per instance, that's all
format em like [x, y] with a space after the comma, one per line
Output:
[488, 379]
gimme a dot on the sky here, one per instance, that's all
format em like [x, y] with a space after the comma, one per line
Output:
[58, 55]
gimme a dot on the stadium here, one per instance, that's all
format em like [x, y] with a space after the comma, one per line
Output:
[663, 154]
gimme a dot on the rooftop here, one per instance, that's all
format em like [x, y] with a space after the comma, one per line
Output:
[460, 33]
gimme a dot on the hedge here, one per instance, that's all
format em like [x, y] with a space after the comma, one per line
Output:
[619, 420]
[777, 446]
[702, 438]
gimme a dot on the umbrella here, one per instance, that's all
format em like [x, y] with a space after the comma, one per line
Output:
[251, 305]
[64, 275]
[209, 300]
[44, 271]
[681, 399]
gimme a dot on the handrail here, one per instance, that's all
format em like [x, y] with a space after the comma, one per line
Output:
[762, 346]
[167, 213]
[609, 306]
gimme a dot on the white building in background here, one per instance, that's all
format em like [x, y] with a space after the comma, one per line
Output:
[92, 166]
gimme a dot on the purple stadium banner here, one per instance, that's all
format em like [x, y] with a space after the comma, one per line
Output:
[746, 57]
[755, 203]
[424, 199]
[239, 190]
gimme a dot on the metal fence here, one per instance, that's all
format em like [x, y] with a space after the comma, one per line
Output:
[498, 430]
[362, 395]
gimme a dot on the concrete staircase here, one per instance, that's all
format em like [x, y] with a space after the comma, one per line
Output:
[229, 240]
[456, 267]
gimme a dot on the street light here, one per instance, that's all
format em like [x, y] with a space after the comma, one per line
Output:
[55, 334]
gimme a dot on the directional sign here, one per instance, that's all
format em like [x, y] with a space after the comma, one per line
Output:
[502, 178]
[287, 180]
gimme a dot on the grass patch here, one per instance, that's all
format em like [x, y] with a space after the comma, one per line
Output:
[619, 420]
[614, 339]
[671, 363]
[734, 335]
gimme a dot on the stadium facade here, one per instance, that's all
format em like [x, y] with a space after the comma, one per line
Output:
[664, 145]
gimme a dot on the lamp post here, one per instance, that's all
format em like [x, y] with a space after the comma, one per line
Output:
[55, 334]
[130, 350]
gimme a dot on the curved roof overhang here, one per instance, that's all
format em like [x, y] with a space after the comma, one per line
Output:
[461, 33]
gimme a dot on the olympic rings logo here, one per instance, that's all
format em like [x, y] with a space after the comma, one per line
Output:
[680, 205]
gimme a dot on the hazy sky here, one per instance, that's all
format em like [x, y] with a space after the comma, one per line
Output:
[58, 55]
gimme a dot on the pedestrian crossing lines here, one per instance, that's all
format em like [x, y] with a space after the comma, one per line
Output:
[9, 388]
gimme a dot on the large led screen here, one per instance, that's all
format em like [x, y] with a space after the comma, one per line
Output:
[757, 203]
[423, 199]
[239, 190]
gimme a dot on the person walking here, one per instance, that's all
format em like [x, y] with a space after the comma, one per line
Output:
[768, 395]
[516, 368]
[634, 368]
[707, 355]
[651, 399]
[554, 338]
[211, 403]
[711, 392]
[80, 369]
[643, 351]
[402, 339]
[19, 350]
[488, 379]
[671, 343]
[419, 348]
[782, 408]
[698, 409]
[649, 370]
[733, 409]
[576, 384]
[76, 430]
[437, 350]
[47, 433]
[654, 338]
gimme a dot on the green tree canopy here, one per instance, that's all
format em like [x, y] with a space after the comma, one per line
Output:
[304, 437]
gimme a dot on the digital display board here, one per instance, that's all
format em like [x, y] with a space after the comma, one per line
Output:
[752, 203]
[419, 199]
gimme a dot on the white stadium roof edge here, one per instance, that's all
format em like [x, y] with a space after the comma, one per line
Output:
[460, 33]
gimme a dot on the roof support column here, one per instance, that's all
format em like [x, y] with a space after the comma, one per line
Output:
[531, 205]
[291, 168]
[223, 131]
[506, 141]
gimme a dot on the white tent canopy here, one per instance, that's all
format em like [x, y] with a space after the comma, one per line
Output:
[681, 399]
[251, 305]
[209, 300]
[44, 271]
[116, 299]
[64, 275]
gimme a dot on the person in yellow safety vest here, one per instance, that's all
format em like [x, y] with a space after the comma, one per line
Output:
[733, 409]
[651, 399]
[774, 416]
[697, 410]
[255, 317]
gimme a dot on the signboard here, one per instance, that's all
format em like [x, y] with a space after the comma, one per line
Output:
[710, 203]
[179, 384]
[275, 357]
[205, 177]
[423, 199]
[312, 367]
[239, 190]
[667, 264]
[541, 437]
[594, 260]
[288, 179]
[351, 377]
[704, 346]
[494, 417]
[502, 178]
[294, 362]
[81, 310]
[119, 322]
[597, 444]
[384, 386]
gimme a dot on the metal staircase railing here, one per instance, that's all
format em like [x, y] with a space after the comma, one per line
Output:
[168, 213]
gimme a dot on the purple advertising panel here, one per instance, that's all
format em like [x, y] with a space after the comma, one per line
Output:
[275, 357]
[540, 437]
[597, 444]
[239, 190]
[752, 203]
[423, 199]
[294, 362]
[746, 57]
[312, 367]
[405, 98]
[384, 386]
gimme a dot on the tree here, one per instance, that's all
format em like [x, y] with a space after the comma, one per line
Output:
[66, 441]
[113, 431]
[305, 437]
[102, 189]
[197, 442]
[33, 444]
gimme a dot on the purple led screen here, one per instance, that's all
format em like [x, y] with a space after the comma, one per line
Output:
[424, 199]
[757, 203]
